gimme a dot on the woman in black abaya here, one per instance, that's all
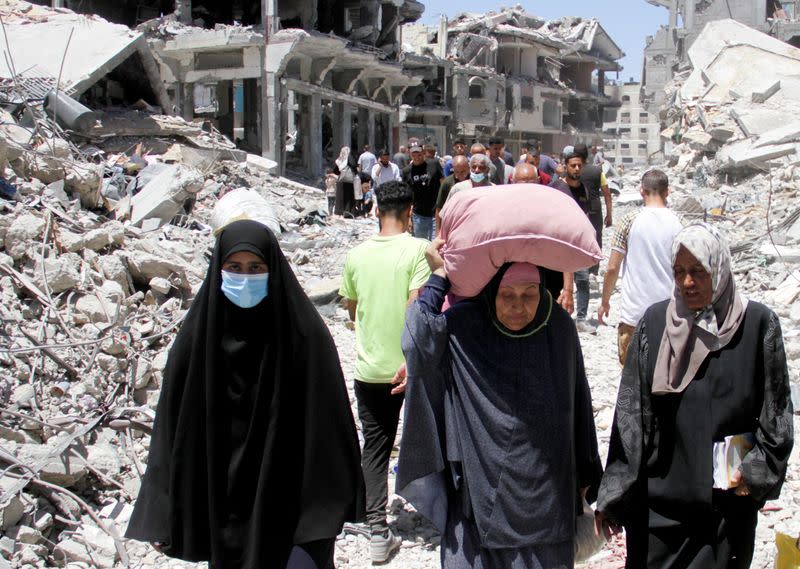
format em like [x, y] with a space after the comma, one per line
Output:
[703, 366]
[254, 459]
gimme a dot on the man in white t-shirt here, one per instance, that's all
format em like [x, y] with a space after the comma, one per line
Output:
[385, 171]
[366, 161]
[642, 248]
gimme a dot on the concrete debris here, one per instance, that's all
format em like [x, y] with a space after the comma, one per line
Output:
[164, 196]
[720, 110]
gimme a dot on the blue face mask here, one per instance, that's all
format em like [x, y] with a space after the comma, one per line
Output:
[245, 291]
[477, 177]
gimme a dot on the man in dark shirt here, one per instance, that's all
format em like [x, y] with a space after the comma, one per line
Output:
[572, 185]
[496, 156]
[460, 173]
[424, 176]
[459, 149]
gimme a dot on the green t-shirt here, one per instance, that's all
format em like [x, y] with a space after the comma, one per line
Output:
[379, 274]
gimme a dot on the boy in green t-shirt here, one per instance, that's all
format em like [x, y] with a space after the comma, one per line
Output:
[381, 277]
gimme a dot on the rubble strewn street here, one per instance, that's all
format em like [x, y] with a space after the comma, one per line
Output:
[106, 231]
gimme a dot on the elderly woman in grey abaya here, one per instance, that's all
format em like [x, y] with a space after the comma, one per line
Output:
[702, 366]
[499, 438]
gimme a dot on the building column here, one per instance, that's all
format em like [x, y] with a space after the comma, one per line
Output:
[271, 120]
[251, 117]
[343, 127]
[314, 148]
[362, 134]
[186, 99]
[371, 130]
[393, 134]
[225, 114]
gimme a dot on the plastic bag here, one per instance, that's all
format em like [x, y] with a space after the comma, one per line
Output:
[788, 556]
[587, 542]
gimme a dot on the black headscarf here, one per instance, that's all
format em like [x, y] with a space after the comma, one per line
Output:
[543, 311]
[254, 447]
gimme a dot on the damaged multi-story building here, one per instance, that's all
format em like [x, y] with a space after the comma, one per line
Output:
[293, 81]
[668, 49]
[632, 135]
[517, 76]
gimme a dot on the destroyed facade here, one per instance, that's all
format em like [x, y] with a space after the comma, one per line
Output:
[631, 134]
[293, 82]
[517, 76]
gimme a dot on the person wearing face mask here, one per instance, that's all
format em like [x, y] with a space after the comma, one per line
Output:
[479, 171]
[706, 369]
[253, 420]
[498, 435]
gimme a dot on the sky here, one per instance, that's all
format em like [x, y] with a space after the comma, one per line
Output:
[628, 22]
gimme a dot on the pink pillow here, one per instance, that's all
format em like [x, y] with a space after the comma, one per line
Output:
[485, 228]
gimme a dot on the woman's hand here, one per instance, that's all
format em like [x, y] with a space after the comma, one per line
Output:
[399, 380]
[741, 488]
[434, 257]
[605, 527]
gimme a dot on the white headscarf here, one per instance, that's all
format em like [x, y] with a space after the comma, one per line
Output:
[690, 336]
[344, 156]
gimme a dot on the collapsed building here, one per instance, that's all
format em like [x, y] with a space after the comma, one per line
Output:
[517, 76]
[293, 82]
[668, 49]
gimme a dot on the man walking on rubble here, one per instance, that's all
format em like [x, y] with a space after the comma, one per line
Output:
[381, 277]
[366, 161]
[572, 184]
[424, 176]
[384, 171]
[642, 248]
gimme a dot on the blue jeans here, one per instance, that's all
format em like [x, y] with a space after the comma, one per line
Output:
[424, 227]
[582, 294]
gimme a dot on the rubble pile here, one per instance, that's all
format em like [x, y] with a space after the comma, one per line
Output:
[101, 253]
[719, 110]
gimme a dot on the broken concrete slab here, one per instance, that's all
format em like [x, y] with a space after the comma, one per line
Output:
[163, 197]
[85, 180]
[63, 469]
[109, 234]
[762, 96]
[746, 155]
[257, 164]
[11, 506]
[698, 139]
[781, 135]
[325, 291]
[144, 267]
[58, 274]
[94, 308]
[23, 232]
[756, 121]
[96, 47]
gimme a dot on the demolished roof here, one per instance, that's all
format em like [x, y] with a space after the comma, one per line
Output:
[41, 38]
[568, 34]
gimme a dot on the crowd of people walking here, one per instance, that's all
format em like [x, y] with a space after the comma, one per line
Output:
[255, 459]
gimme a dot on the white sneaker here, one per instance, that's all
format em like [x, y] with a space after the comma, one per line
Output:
[382, 545]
